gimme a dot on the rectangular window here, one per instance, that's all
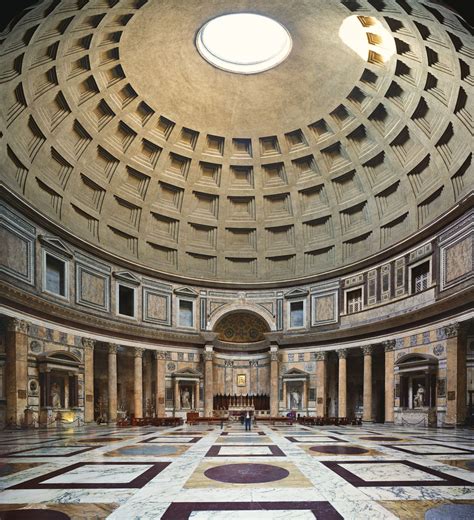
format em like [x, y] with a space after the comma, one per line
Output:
[420, 277]
[126, 301]
[354, 301]
[55, 275]
[296, 314]
[186, 318]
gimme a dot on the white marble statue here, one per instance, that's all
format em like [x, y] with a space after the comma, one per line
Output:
[419, 399]
[295, 399]
[185, 398]
[55, 396]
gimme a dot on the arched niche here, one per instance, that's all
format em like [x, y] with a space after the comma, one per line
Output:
[241, 327]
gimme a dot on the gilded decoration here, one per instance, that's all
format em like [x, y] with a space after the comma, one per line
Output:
[241, 328]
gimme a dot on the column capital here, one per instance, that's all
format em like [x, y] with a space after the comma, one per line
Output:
[273, 352]
[208, 353]
[159, 355]
[138, 352]
[342, 353]
[389, 345]
[367, 350]
[321, 356]
[17, 325]
[88, 343]
[451, 330]
[112, 348]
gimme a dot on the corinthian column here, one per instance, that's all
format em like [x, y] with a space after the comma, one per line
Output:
[456, 373]
[274, 397]
[138, 382]
[16, 370]
[342, 397]
[208, 381]
[112, 381]
[321, 383]
[389, 393]
[88, 345]
[160, 358]
[367, 416]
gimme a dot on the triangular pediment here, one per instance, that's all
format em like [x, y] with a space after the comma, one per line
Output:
[56, 244]
[126, 276]
[296, 293]
[191, 372]
[186, 291]
[295, 372]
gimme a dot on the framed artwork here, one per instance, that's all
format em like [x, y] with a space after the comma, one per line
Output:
[241, 380]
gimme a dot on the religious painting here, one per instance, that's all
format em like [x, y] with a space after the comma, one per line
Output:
[241, 380]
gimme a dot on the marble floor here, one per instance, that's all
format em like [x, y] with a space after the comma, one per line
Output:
[273, 472]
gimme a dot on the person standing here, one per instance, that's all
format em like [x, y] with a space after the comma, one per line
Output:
[248, 424]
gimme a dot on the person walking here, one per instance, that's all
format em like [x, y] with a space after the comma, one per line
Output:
[248, 423]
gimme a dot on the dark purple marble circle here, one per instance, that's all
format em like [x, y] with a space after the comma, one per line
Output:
[339, 450]
[33, 514]
[246, 473]
[380, 438]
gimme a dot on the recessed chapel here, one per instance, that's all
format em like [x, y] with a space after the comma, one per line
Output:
[236, 260]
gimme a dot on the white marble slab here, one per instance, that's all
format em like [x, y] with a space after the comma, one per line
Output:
[390, 471]
[101, 474]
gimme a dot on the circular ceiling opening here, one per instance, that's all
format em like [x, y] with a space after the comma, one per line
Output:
[244, 43]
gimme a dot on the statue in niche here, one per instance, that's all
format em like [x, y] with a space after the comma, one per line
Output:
[295, 399]
[419, 399]
[55, 394]
[185, 398]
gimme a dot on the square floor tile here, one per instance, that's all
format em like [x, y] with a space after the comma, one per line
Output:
[378, 473]
[431, 449]
[315, 439]
[247, 475]
[245, 451]
[149, 450]
[249, 510]
[49, 451]
[172, 440]
[97, 475]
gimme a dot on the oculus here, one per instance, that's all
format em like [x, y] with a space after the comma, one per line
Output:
[244, 43]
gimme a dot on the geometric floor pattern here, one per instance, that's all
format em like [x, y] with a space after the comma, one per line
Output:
[207, 473]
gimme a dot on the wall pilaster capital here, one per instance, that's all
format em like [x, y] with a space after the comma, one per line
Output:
[367, 350]
[342, 353]
[321, 356]
[88, 343]
[138, 352]
[112, 348]
[389, 345]
[17, 325]
[451, 330]
[159, 355]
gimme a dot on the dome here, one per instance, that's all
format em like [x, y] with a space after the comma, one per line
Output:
[115, 128]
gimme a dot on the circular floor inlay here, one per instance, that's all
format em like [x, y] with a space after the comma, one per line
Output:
[380, 438]
[243, 43]
[339, 450]
[246, 473]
